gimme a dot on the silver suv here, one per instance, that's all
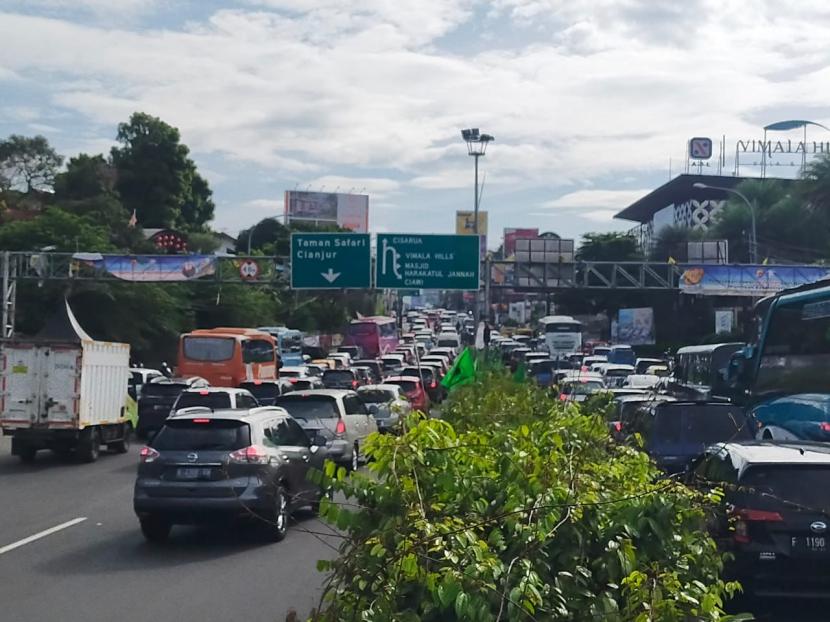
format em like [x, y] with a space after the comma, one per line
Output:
[339, 415]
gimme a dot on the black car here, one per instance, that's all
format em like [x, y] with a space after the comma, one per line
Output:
[341, 379]
[374, 365]
[224, 466]
[678, 432]
[157, 399]
[775, 520]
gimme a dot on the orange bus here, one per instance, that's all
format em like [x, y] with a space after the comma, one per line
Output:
[227, 357]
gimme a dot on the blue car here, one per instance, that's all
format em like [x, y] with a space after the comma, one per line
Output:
[804, 416]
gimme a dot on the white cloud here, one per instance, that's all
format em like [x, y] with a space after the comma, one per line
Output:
[353, 94]
[96, 7]
[610, 200]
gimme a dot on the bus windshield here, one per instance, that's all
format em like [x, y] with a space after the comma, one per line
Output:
[796, 351]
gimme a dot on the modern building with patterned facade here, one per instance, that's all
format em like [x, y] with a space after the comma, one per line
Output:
[679, 203]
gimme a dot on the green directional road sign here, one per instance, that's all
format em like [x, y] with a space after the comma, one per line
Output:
[330, 261]
[411, 261]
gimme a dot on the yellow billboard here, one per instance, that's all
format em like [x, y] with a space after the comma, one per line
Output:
[465, 223]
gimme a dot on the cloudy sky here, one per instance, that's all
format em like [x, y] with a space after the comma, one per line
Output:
[588, 99]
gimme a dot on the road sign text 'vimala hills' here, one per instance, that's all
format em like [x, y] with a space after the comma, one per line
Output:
[412, 261]
[330, 261]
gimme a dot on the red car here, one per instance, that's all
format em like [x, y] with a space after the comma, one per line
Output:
[414, 390]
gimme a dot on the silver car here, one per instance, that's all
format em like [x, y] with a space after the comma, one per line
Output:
[387, 404]
[337, 414]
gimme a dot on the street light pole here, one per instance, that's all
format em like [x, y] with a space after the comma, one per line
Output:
[477, 147]
[753, 243]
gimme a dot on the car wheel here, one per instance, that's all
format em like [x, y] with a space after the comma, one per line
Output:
[277, 524]
[155, 529]
[355, 465]
[123, 446]
[89, 445]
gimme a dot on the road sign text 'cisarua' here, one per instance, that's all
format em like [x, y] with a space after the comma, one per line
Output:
[330, 260]
[407, 261]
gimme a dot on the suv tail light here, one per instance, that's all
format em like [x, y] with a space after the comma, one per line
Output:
[340, 429]
[434, 385]
[825, 426]
[249, 455]
[355, 384]
[745, 516]
[148, 454]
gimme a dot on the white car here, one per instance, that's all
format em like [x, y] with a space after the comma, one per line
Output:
[615, 375]
[214, 398]
[641, 381]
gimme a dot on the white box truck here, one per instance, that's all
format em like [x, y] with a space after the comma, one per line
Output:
[63, 391]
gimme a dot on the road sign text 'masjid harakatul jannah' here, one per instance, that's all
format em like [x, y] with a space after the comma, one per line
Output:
[407, 261]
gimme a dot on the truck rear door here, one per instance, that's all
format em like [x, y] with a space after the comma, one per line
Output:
[20, 393]
[60, 386]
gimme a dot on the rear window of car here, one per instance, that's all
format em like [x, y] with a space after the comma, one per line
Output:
[767, 485]
[542, 367]
[582, 388]
[447, 343]
[309, 407]
[407, 385]
[699, 424]
[261, 390]
[376, 396]
[338, 375]
[216, 434]
[162, 389]
[209, 399]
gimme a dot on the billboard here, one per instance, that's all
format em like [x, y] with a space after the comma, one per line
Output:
[350, 211]
[635, 327]
[465, 225]
[511, 235]
[719, 280]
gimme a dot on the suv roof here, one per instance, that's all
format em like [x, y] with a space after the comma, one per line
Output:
[259, 412]
[324, 392]
[208, 390]
[767, 452]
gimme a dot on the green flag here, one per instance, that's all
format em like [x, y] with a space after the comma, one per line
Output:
[521, 373]
[462, 372]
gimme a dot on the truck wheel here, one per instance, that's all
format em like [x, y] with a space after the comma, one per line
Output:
[89, 445]
[122, 446]
[26, 453]
[155, 529]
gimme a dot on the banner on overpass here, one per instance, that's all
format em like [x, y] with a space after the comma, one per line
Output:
[760, 280]
[152, 268]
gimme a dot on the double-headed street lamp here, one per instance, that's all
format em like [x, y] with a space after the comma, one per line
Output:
[476, 147]
[753, 244]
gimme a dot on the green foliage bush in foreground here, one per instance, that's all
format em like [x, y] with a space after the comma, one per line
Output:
[517, 507]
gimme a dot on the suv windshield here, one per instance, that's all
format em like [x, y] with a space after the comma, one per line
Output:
[212, 400]
[407, 385]
[215, 434]
[309, 407]
[338, 375]
[376, 396]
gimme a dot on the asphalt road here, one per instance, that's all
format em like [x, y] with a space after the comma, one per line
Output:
[97, 566]
[100, 568]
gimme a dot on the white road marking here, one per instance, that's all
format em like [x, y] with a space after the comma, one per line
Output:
[42, 534]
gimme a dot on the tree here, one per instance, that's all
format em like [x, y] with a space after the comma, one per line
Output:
[58, 228]
[27, 164]
[609, 247]
[86, 176]
[157, 179]
[671, 242]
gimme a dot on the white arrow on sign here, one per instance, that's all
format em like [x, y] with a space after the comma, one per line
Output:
[330, 276]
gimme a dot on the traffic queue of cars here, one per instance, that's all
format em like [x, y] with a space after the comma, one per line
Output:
[217, 453]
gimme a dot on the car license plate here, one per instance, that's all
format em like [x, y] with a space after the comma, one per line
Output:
[193, 473]
[810, 544]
